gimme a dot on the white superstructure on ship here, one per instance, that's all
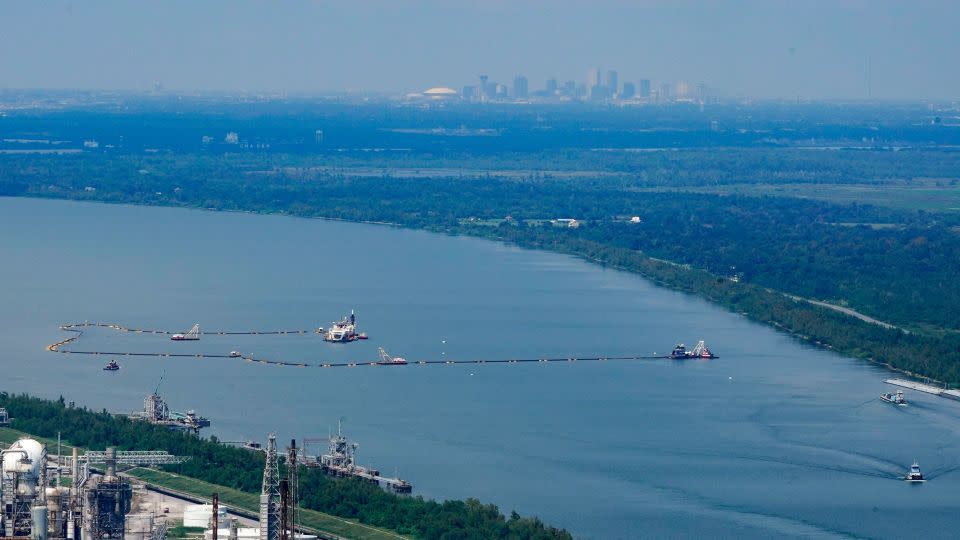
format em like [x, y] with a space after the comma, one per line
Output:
[343, 331]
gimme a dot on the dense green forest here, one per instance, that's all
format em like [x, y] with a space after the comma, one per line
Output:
[892, 264]
[242, 469]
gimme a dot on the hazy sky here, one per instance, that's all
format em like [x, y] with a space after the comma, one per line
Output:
[762, 48]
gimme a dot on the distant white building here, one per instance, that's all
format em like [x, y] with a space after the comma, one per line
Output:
[437, 93]
[569, 222]
[441, 92]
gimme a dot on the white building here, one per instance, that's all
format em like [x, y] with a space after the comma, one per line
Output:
[248, 533]
[198, 515]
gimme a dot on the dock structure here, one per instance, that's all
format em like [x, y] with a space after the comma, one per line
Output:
[926, 388]
[156, 411]
[340, 461]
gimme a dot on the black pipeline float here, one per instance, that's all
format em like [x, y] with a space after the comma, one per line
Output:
[385, 360]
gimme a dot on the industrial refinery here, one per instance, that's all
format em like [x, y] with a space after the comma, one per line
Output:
[39, 503]
[48, 497]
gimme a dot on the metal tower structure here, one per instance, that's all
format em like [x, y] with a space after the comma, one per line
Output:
[270, 494]
[293, 487]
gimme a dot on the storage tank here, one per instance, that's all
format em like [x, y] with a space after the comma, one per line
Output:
[24, 458]
[38, 531]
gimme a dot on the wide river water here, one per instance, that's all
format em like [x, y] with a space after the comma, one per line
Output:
[775, 438]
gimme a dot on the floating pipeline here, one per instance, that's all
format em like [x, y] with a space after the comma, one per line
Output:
[77, 329]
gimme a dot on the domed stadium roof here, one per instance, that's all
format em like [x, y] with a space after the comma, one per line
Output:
[440, 91]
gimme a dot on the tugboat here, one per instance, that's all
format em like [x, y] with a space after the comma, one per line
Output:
[896, 399]
[680, 352]
[914, 475]
[111, 366]
[387, 360]
[235, 354]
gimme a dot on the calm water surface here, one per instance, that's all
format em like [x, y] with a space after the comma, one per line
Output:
[773, 439]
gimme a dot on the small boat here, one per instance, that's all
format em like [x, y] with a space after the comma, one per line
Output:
[896, 399]
[235, 354]
[111, 366]
[679, 352]
[914, 475]
[387, 360]
[194, 420]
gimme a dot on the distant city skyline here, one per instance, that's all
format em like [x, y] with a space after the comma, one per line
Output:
[596, 87]
[854, 49]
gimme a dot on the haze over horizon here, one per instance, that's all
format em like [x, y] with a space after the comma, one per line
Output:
[764, 49]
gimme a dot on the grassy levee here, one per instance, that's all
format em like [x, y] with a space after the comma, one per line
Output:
[9, 435]
[250, 502]
[231, 497]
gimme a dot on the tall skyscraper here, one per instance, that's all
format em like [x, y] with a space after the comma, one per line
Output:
[645, 88]
[520, 87]
[664, 91]
[484, 88]
[628, 91]
[593, 77]
[551, 87]
[613, 82]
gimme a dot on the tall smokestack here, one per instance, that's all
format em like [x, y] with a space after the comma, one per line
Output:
[284, 511]
[215, 519]
[110, 457]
